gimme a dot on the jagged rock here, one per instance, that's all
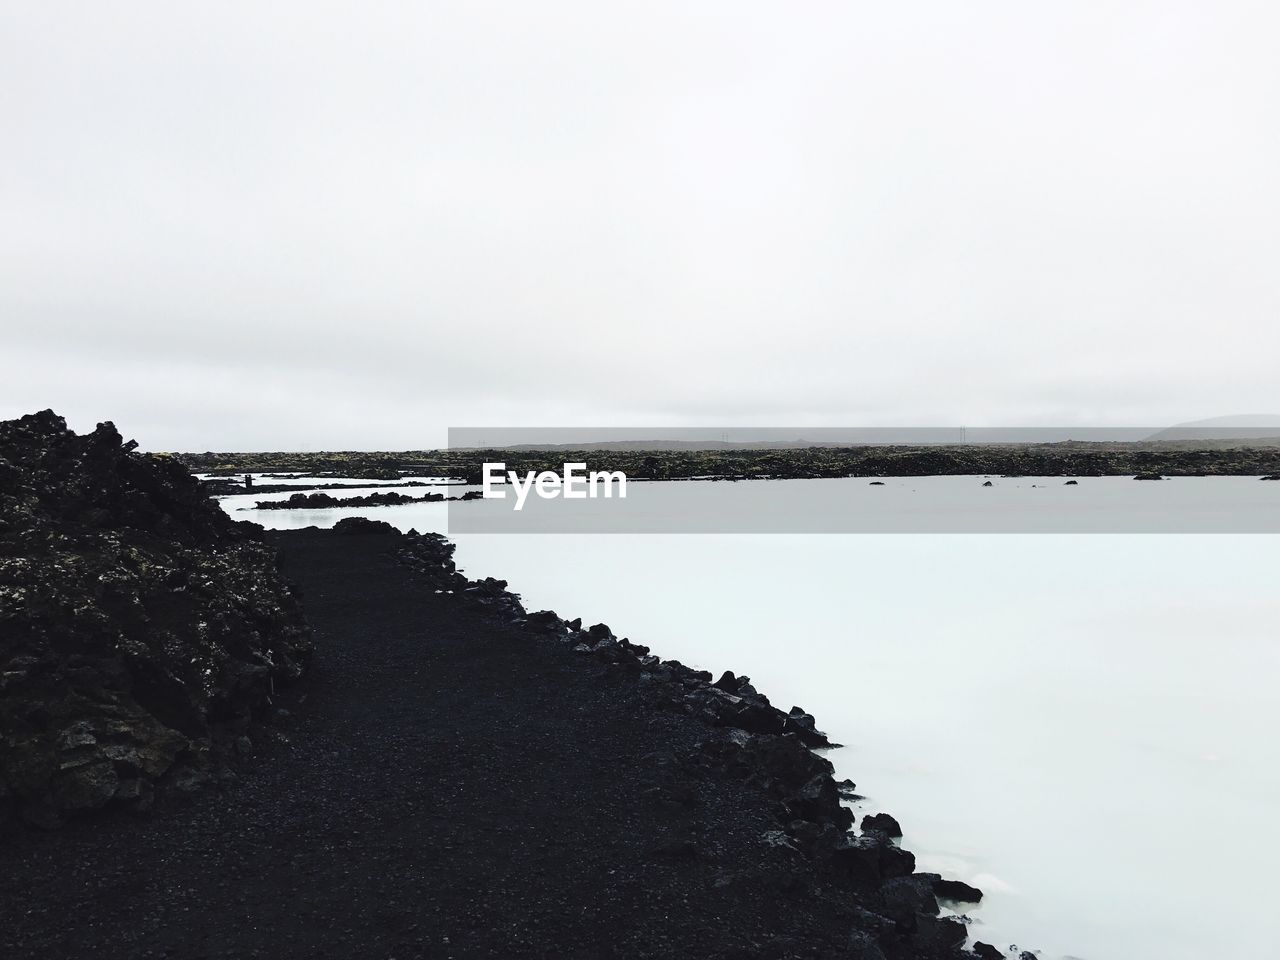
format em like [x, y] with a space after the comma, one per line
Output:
[882, 822]
[988, 484]
[819, 801]
[1072, 483]
[802, 719]
[859, 859]
[729, 683]
[985, 951]
[1148, 476]
[957, 890]
[804, 726]
[753, 717]
[904, 897]
[782, 763]
[363, 525]
[140, 627]
[871, 859]
[544, 620]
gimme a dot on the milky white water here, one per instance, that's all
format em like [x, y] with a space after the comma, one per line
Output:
[1083, 726]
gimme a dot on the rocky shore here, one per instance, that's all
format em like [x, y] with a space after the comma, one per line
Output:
[142, 632]
[455, 776]
[749, 741]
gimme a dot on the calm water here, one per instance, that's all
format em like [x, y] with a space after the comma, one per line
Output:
[899, 505]
[1083, 726]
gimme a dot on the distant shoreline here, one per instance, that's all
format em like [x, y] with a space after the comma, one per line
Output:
[1046, 460]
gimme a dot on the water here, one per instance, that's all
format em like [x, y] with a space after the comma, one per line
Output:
[241, 505]
[1080, 725]
[898, 505]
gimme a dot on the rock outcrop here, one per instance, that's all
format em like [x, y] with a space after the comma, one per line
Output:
[142, 631]
[323, 501]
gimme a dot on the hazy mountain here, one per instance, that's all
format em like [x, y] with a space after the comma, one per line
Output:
[1215, 433]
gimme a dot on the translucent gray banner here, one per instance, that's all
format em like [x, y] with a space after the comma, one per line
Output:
[866, 480]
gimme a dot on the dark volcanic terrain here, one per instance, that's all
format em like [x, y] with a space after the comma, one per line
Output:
[142, 632]
[461, 784]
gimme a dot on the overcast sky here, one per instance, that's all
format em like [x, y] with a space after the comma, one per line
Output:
[307, 225]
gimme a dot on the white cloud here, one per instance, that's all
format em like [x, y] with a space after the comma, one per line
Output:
[357, 224]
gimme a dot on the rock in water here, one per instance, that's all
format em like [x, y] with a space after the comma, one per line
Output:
[882, 822]
[141, 629]
[957, 890]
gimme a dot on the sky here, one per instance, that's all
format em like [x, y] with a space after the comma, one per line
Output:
[246, 226]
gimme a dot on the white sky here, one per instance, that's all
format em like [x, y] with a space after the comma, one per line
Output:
[308, 225]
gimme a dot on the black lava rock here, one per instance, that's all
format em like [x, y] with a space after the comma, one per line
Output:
[957, 890]
[141, 629]
[358, 525]
[882, 822]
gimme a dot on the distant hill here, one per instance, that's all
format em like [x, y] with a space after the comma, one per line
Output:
[1240, 427]
[674, 445]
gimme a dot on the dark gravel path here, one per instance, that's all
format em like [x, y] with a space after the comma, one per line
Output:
[451, 787]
